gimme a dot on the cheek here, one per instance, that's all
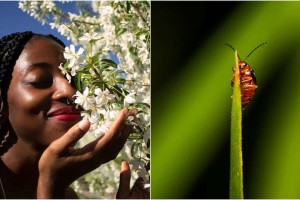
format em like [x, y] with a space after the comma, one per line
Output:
[27, 111]
[26, 102]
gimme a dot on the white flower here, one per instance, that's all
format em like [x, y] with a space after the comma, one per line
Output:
[147, 185]
[103, 97]
[144, 118]
[70, 52]
[75, 59]
[130, 120]
[101, 130]
[98, 129]
[88, 37]
[112, 115]
[129, 99]
[72, 16]
[94, 117]
[64, 72]
[48, 5]
[84, 100]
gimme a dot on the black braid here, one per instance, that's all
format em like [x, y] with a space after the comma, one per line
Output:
[11, 47]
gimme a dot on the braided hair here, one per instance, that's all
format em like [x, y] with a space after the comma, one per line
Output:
[11, 47]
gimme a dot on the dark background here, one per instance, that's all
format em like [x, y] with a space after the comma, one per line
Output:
[177, 30]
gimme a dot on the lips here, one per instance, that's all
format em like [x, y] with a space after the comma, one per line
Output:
[65, 114]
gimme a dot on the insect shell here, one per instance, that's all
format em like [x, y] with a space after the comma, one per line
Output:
[247, 79]
[247, 82]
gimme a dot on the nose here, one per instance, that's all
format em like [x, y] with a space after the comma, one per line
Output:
[63, 90]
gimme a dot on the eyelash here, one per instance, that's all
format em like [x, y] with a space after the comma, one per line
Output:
[41, 84]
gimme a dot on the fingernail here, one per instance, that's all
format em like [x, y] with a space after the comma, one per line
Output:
[134, 111]
[84, 125]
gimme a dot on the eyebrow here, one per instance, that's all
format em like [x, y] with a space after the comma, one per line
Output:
[38, 65]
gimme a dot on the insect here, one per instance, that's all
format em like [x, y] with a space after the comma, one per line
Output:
[247, 78]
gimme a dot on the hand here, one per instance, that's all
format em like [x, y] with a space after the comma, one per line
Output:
[137, 191]
[61, 163]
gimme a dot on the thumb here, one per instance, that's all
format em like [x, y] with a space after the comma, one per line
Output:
[124, 186]
[71, 136]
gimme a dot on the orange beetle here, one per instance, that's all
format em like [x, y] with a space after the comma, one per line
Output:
[247, 79]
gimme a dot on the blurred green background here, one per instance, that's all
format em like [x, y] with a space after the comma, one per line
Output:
[191, 98]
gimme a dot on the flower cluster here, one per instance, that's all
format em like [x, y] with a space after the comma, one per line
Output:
[109, 64]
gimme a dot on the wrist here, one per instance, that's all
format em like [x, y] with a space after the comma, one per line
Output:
[48, 189]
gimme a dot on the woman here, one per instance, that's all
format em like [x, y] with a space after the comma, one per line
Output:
[40, 124]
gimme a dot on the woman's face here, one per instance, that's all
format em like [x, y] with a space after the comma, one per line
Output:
[36, 96]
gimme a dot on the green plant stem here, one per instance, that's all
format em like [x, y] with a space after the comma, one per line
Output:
[236, 161]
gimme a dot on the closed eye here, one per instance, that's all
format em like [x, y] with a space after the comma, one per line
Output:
[41, 84]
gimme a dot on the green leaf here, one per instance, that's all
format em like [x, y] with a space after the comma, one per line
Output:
[66, 64]
[127, 6]
[120, 31]
[77, 82]
[95, 59]
[73, 29]
[121, 80]
[105, 63]
[236, 162]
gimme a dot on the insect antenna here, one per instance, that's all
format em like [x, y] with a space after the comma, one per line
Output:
[231, 47]
[255, 49]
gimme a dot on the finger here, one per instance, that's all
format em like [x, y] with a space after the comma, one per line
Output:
[71, 136]
[127, 128]
[124, 186]
[125, 131]
[106, 148]
[114, 131]
[114, 140]
[118, 124]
